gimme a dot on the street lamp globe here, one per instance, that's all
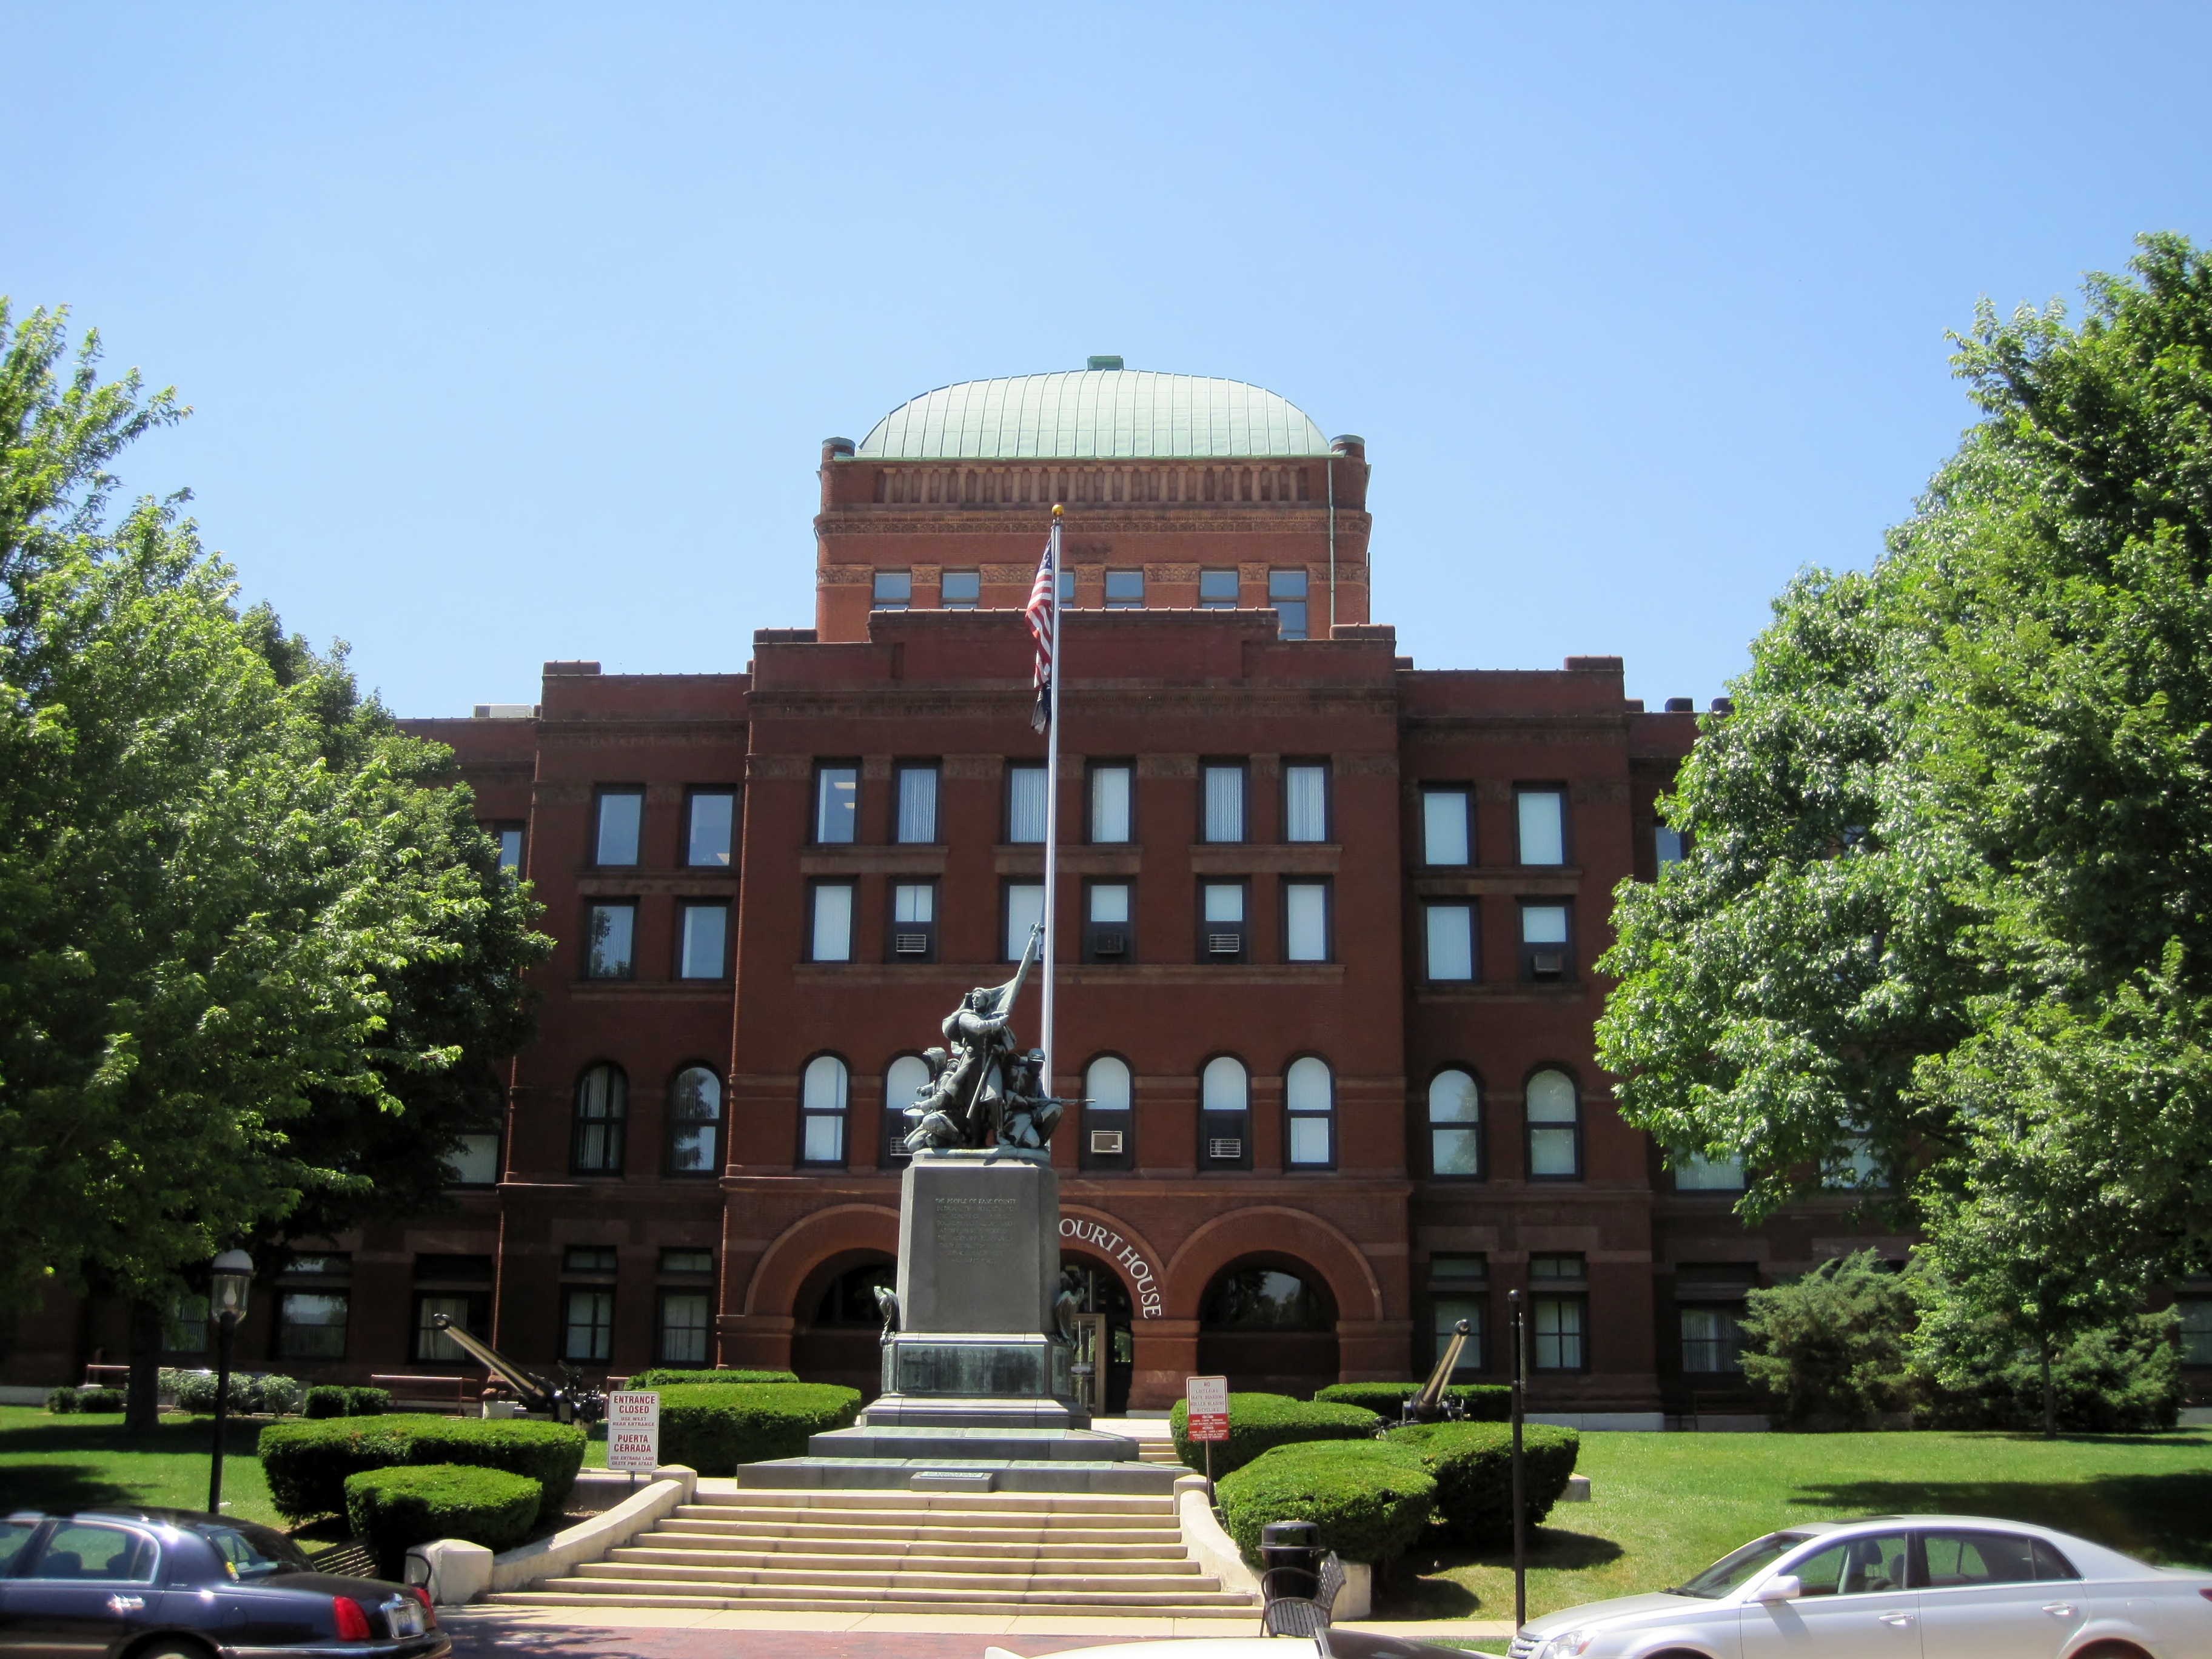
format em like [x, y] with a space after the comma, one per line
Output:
[231, 1278]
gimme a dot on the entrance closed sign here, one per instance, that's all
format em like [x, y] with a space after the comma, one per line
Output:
[633, 1431]
[1207, 1398]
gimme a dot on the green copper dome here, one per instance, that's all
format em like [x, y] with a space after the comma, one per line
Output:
[1094, 414]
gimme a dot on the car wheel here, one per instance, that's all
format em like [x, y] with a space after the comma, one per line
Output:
[2113, 1651]
[172, 1647]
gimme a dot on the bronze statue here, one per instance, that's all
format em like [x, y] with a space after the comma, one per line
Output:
[983, 1092]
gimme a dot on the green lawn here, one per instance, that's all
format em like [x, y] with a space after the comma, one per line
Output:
[1665, 1504]
[54, 1463]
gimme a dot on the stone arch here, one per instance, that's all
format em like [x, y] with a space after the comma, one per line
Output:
[1260, 1229]
[800, 1247]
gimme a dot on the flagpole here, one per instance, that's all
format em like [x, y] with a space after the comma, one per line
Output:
[1052, 814]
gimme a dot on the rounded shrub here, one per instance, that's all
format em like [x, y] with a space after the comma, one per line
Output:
[1483, 1402]
[1261, 1422]
[1473, 1464]
[61, 1402]
[547, 1453]
[306, 1463]
[196, 1393]
[396, 1509]
[666, 1377]
[279, 1396]
[1369, 1500]
[341, 1399]
[715, 1429]
[99, 1400]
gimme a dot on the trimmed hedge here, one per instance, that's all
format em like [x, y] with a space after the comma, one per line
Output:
[1473, 1463]
[307, 1464]
[715, 1428]
[1261, 1422]
[336, 1399]
[1371, 1500]
[62, 1401]
[397, 1509]
[666, 1378]
[1486, 1402]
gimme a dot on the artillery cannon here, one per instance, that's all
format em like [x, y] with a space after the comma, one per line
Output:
[570, 1400]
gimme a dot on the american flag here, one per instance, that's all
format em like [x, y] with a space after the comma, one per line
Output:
[1043, 612]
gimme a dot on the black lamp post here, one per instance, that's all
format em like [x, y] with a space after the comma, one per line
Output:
[231, 1278]
[1519, 1318]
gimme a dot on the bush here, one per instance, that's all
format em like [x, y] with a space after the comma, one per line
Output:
[99, 1400]
[1486, 1402]
[715, 1429]
[196, 1393]
[1473, 1464]
[279, 1396]
[307, 1463]
[336, 1399]
[1261, 1422]
[1828, 1347]
[1369, 1500]
[396, 1509]
[665, 1378]
[2123, 1379]
[61, 1402]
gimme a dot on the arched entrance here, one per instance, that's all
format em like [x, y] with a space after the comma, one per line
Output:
[1269, 1324]
[835, 1336]
[1111, 1344]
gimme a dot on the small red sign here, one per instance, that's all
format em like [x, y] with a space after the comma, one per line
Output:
[1206, 1401]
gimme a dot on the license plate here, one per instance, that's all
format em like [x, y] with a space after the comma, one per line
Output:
[407, 1617]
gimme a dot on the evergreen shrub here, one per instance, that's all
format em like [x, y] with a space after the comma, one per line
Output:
[1486, 1402]
[1473, 1464]
[99, 1400]
[396, 1509]
[668, 1377]
[339, 1400]
[715, 1428]
[1261, 1422]
[307, 1463]
[1370, 1500]
[61, 1402]
[196, 1393]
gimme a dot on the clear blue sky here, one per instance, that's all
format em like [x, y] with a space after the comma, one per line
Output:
[512, 331]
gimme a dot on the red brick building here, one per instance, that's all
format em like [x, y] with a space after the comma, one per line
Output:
[1328, 926]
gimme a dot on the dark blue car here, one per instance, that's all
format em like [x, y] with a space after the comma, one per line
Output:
[142, 1583]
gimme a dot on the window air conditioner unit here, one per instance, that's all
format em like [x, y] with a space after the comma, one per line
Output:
[1220, 1147]
[910, 944]
[1547, 964]
[1111, 944]
[1105, 1141]
[1224, 944]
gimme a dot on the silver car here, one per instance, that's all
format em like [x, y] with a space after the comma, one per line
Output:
[1899, 1587]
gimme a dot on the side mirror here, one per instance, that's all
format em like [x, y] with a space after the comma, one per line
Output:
[1782, 1587]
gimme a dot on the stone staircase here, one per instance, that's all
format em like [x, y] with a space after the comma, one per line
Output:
[890, 1551]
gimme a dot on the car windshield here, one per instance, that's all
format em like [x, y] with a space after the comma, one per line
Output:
[1732, 1570]
[249, 1553]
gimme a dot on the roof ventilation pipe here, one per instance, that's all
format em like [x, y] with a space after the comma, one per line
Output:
[1110, 360]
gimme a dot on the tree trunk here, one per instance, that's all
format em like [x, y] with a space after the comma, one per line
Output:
[2050, 1396]
[141, 1410]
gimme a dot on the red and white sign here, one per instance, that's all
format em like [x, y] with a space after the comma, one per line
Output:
[633, 1431]
[1207, 1398]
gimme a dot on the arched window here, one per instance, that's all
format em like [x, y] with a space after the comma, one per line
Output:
[695, 1122]
[822, 1099]
[1110, 1132]
[1310, 1103]
[904, 1079]
[1555, 1127]
[1225, 1130]
[602, 1111]
[1454, 1124]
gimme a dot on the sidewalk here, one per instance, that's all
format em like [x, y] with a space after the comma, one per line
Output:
[1039, 1630]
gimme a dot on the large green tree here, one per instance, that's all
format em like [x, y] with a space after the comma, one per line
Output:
[256, 958]
[1951, 879]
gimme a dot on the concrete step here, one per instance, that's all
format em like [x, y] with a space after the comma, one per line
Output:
[984, 1531]
[706, 1547]
[887, 1576]
[1162, 1451]
[831, 1563]
[893, 1502]
[911, 1598]
[1235, 1613]
[1071, 1477]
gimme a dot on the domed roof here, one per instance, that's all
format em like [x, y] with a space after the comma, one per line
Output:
[1094, 414]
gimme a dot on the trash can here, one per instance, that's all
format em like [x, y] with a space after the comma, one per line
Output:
[1289, 1556]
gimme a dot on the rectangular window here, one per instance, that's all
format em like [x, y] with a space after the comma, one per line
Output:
[894, 590]
[1310, 1100]
[1222, 928]
[475, 1163]
[1025, 803]
[1067, 589]
[509, 837]
[1305, 921]
[1450, 942]
[1556, 1333]
[610, 934]
[587, 1321]
[588, 1258]
[1224, 801]
[1696, 1173]
[186, 1331]
[1125, 590]
[831, 935]
[687, 1261]
[1858, 1169]
[1556, 1264]
[1543, 821]
[960, 589]
[917, 806]
[311, 1324]
[710, 839]
[1446, 827]
[1107, 932]
[1286, 592]
[683, 1323]
[914, 921]
[1112, 788]
[837, 804]
[1665, 845]
[1450, 1303]
[2195, 1313]
[1025, 912]
[1711, 1340]
[621, 820]
[1544, 954]
[1217, 590]
[433, 1346]
[1306, 801]
[706, 941]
